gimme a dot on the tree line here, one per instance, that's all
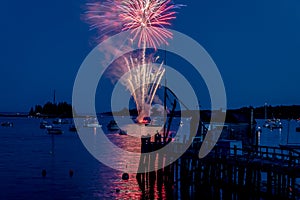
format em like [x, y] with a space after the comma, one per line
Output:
[280, 112]
[62, 109]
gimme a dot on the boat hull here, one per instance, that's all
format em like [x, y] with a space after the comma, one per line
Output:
[54, 131]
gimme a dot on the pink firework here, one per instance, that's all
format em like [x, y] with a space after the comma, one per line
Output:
[104, 16]
[146, 20]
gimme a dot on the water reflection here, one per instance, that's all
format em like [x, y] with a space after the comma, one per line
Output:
[156, 185]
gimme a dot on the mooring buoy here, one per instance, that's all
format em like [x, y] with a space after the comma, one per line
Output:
[125, 176]
[71, 172]
[44, 173]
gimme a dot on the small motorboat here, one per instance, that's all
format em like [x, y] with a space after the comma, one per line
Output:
[45, 124]
[72, 128]
[112, 125]
[57, 121]
[7, 124]
[54, 131]
[154, 123]
[92, 123]
[122, 132]
[48, 126]
[60, 121]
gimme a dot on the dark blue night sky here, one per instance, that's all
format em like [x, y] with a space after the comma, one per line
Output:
[255, 44]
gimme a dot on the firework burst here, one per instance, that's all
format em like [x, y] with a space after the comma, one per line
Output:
[103, 17]
[146, 19]
[142, 80]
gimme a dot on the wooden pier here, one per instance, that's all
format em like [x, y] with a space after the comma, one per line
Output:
[251, 172]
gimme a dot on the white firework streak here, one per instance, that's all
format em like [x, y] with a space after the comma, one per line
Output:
[142, 80]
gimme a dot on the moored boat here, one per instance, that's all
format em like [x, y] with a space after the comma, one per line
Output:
[55, 131]
[72, 128]
[122, 132]
[7, 124]
[45, 124]
[112, 125]
[92, 123]
[154, 123]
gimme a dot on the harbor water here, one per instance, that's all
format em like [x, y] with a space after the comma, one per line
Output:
[71, 172]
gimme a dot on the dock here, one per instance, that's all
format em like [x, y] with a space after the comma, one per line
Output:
[250, 172]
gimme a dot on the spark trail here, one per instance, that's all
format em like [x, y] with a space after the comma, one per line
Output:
[142, 80]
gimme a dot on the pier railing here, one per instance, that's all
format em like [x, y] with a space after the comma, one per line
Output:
[255, 170]
[278, 155]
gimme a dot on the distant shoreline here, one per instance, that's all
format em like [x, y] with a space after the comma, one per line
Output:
[13, 114]
[280, 112]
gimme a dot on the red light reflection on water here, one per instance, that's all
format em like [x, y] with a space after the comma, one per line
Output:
[153, 185]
